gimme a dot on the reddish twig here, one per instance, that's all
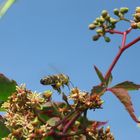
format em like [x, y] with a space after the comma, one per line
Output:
[114, 31]
[71, 122]
[132, 43]
[122, 49]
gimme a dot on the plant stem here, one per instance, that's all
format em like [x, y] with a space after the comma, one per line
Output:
[122, 49]
[114, 31]
[117, 57]
[132, 43]
[70, 123]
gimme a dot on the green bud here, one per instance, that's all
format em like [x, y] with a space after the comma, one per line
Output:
[101, 20]
[137, 9]
[116, 12]
[134, 25]
[113, 21]
[107, 17]
[107, 39]
[95, 37]
[124, 10]
[136, 20]
[104, 13]
[138, 25]
[99, 31]
[95, 22]
[98, 19]
[92, 26]
[137, 16]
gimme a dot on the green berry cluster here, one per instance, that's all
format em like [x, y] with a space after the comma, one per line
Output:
[136, 23]
[121, 12]
[105, 23]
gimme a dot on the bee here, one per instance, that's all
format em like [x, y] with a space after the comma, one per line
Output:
[56, 81]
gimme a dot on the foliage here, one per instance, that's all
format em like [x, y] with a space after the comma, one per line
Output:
[35, 116]
[5, 6]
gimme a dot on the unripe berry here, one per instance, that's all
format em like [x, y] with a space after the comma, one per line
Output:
[107, 17]
[107, 39]
[99, 31]
[95, 37]
[92, 26]
[98, 19]
[135, 20]
[124, 10]
[134, 25]
[137, 16]
[95, 22]
[116, 12]
[113, 21]
[101, 20]
[138, 25]
[137, 9]
[104, 13]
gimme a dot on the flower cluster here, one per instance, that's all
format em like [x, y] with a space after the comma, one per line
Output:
[100, 134]
[83, 100]
[21, 117]
[136, 23]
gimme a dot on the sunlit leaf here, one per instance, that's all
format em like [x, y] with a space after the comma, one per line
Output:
[100, 75]
[7, 87]
[123, 96]
[109, 80]
[127, 85]
[5, 6]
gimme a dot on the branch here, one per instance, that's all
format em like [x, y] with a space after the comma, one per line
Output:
[70, 123]
[114, 31]
[132, 43]
[117, 56]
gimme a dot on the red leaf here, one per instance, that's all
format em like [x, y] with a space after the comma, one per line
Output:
[128, 85]
[123, 96]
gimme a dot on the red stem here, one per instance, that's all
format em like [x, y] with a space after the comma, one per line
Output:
[132, 43]
[114, 31]
[117, 57]
[70, 123]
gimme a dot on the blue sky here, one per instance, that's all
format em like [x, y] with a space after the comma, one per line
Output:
[38, 35]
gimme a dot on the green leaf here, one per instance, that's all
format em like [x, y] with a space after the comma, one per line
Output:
[128, 85]
[49, 138]
[5, 6]
[3, 129]
[100, 90]
[100, 75]
[109, 80]
[7, 87]
[123, 96]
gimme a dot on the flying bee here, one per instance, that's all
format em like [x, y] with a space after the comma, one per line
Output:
[56, 81]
